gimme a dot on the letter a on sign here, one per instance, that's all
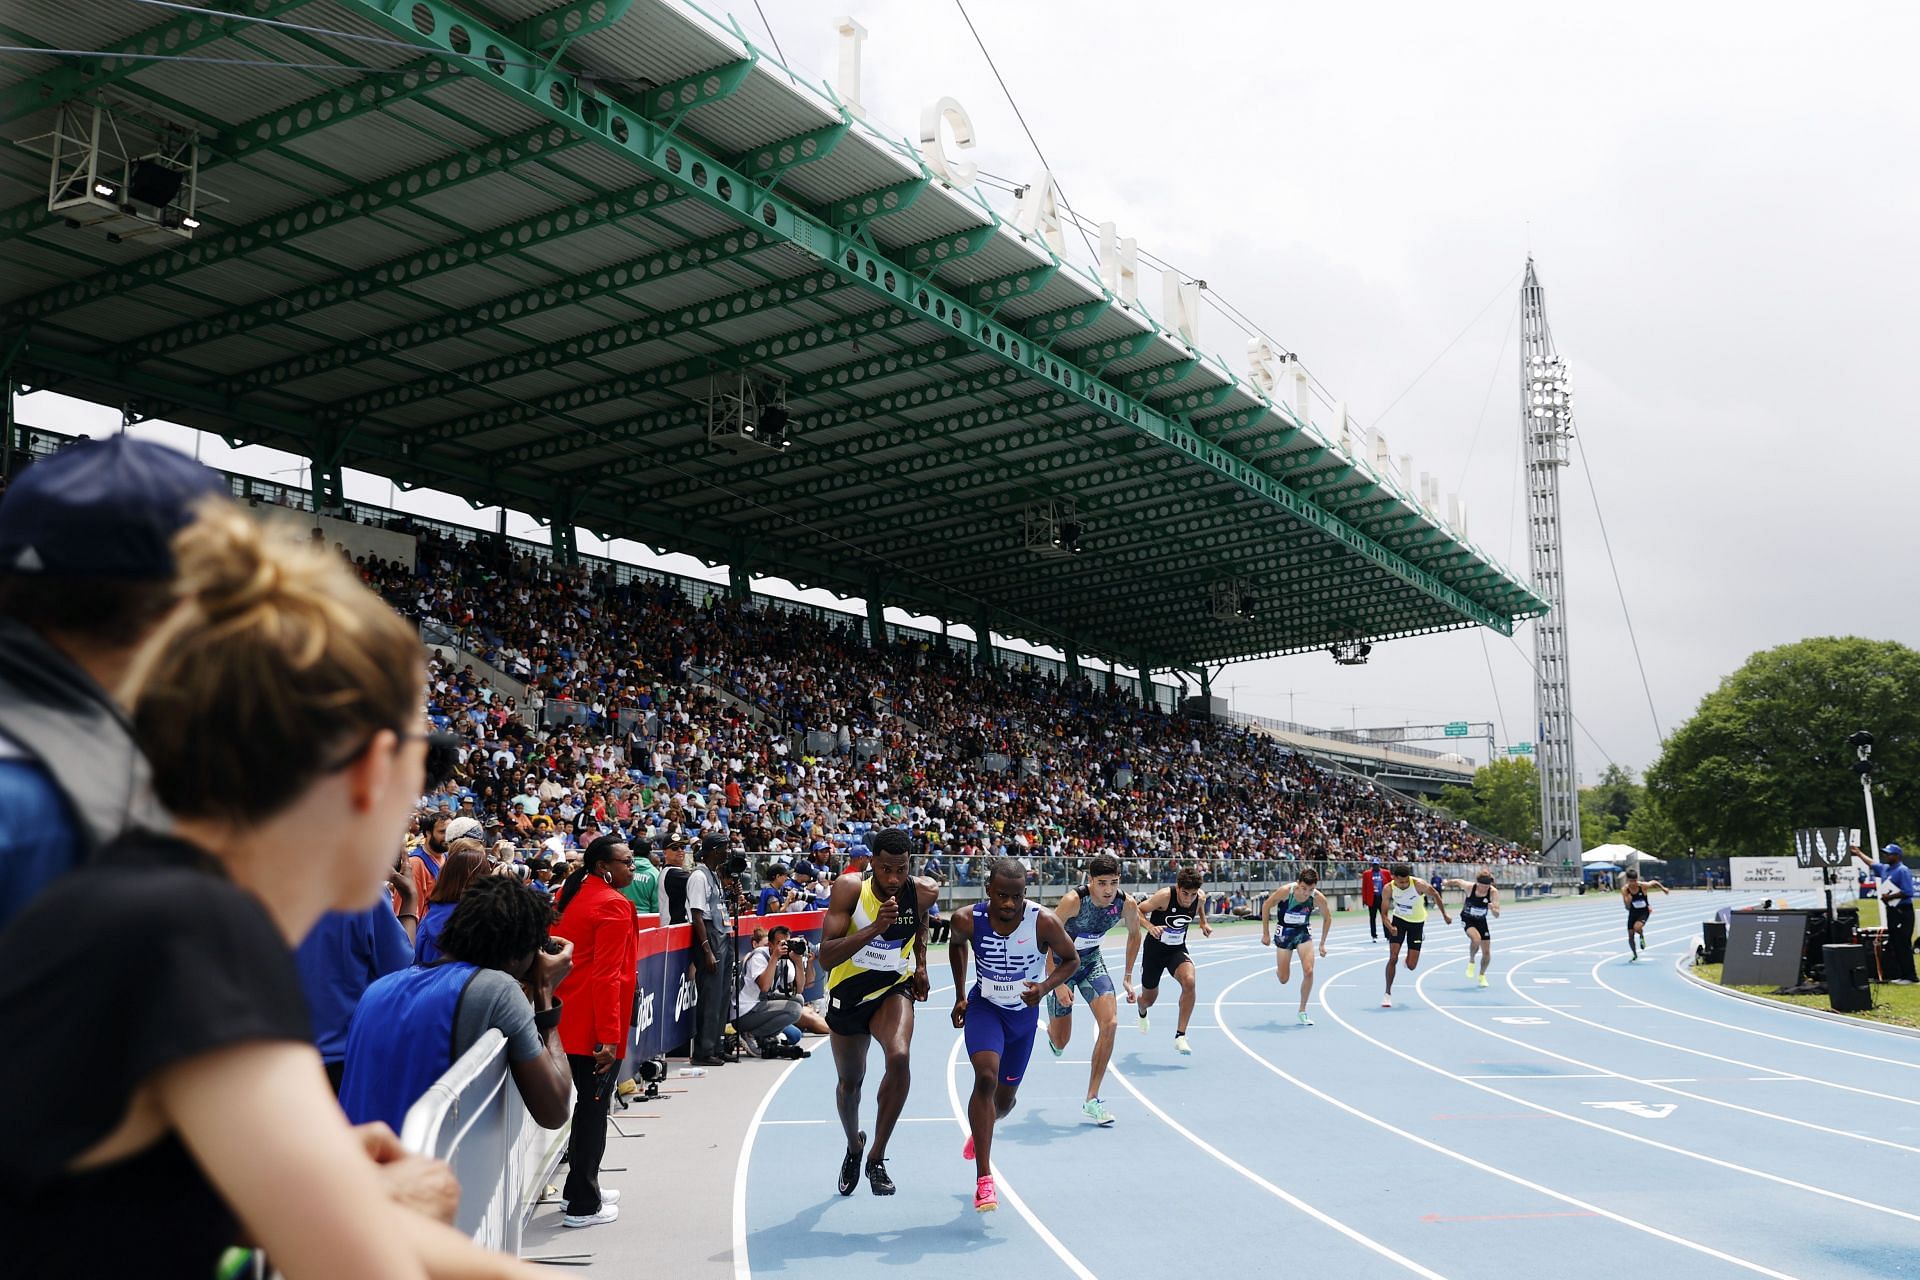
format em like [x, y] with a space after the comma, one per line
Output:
[1040, 213]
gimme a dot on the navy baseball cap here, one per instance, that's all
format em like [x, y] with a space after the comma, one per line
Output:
[102, 507]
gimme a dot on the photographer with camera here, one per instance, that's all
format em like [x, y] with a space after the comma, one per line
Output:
[763, 1008]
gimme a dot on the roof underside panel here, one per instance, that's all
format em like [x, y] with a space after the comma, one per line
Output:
[442, 255]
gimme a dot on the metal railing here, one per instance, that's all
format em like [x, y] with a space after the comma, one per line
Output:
[473, 1118]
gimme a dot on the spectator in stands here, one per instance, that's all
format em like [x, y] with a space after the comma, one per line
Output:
[427, 856]
[346, 952]
[775, 896]
[762, 1010]
[280, 711]
[713, 949]
[86, 578]
[466, 862]
[598, 1000]
[413, 1025]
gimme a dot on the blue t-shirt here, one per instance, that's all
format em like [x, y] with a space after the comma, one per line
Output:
[1897, 876]
[770, 899]
[339, 960]
[39, 840]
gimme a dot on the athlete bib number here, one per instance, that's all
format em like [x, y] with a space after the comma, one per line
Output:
[1005, 994]
[887, 957]
[1294, 918]
[1087, 943]
[1173, 937]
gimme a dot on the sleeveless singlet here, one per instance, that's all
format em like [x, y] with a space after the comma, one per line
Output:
[1092, 922]
[1173, 920]
[885, 962]
[1474, 909]
[1639, 901]
[1293, 914]
[1004, 965]
[1409, 904]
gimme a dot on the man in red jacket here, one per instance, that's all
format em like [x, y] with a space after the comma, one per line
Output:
[596, 1008]
[1373, 884]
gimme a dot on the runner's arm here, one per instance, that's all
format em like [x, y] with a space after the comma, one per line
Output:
[1068, 906]
[1266, 915]
[1326, 916]
[1066, 961]
[1439, 900]
[837, 946]
[958, 938]
[1200, 902]
[1493, 900]
[926, 894]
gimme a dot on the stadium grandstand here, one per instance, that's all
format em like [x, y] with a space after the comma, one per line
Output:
[611, 265]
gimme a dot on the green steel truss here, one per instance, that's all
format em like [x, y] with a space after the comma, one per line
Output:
[927, 418]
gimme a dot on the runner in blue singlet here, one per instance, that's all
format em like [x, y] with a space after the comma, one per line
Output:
[1009, 940]
[1297, 904]
[1088, 913]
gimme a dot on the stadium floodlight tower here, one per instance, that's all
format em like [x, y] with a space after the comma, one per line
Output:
[1546, 424]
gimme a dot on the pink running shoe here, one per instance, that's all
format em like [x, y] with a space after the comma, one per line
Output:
[966, 1152]
[985, 1198]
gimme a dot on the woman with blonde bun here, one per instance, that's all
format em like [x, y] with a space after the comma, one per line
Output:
[169, 1103]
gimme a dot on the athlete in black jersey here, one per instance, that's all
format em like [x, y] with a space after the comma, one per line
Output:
[1482, 901]
[1169, 913]
[1633, 892]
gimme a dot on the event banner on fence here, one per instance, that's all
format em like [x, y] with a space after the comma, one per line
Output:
[1774, 875]
[667, 998]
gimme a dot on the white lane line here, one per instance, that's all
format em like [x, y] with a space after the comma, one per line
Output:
[1484, 1167]
[1524, 1076]
[1624, 1077]
[1325, 1219]
[742, 1269]
[1822, 1192]
[1000, 1182]
[1768, 1035]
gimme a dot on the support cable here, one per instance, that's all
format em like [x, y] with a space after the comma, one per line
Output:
[1620, 591]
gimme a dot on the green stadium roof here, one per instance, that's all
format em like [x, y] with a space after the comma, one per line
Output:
[500, 251]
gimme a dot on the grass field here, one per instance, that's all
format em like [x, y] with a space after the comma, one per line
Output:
[1899, 1006]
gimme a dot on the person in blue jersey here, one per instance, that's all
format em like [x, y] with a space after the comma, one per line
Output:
[466, 861]
[1169, 914]
[1088, 913]
[1405, 917]
[1476, 909]
[345, 954]
[1009, 940]
[1633, 892]
[1297, 904]
[412, 1025]
[873, 945]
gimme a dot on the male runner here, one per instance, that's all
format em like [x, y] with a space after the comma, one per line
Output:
[1088, 913]
[1297, 903]
[1633, 892]
[1482, 900]
[874, 946]
[1169, 913]
[1008, 936]
[1406, 921]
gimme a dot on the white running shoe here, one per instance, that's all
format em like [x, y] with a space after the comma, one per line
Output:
[608, 1213]
[1095, 1109]
[1386, 1002]
[1143, 1021]
[1302, 1018]
[1180, 1044]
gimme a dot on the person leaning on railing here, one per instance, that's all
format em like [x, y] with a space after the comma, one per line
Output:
[152, 995]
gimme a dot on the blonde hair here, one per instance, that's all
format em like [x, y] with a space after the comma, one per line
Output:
[277, 668]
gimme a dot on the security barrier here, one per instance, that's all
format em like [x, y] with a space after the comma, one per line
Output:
[473, 1118]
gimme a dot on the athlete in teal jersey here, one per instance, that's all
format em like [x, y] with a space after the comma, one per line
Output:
[1088, 913]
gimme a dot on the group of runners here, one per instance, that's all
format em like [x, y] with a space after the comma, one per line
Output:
[1023, 955]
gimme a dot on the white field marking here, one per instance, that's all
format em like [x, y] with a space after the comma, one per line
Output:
[1325, 1219]
[1000, 1182]
[1618, 1133]
[1484, 1167]
[1780, 1072]
[1666, 1087]
[742, 1269]
[1644, 1110]
[1571, 1075]
[1768, 1035]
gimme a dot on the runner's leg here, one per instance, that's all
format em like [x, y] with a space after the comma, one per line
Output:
[1282, 964]
[850, 1064]
[1106, 1015]
[1060, 1025]
[892, 1026]
[1306, 973]
[1393, 959]
[1184, 976]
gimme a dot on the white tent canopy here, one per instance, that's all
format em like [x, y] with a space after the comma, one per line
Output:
[1624, 854]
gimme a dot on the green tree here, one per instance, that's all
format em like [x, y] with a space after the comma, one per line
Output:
[1767, 751]
[1504, 798]
[1608, 806]
[1650, 830]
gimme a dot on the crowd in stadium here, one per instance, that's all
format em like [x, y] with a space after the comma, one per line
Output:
[699, 718]
[212, 768]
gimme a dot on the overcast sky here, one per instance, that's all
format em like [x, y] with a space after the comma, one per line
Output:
[1722, 203]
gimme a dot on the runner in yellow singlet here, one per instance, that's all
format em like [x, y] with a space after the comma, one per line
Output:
[874, 946]
[1406, 921]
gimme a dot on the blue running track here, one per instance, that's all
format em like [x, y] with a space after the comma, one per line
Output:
[1580, 1117]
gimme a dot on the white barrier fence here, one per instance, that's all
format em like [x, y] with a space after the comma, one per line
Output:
[473, 1118]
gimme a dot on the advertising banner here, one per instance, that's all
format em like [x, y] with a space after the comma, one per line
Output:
[1774, 875]
[667, 997]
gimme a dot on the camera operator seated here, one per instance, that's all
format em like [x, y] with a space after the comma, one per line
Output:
[498, 969]
[763, 1010]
